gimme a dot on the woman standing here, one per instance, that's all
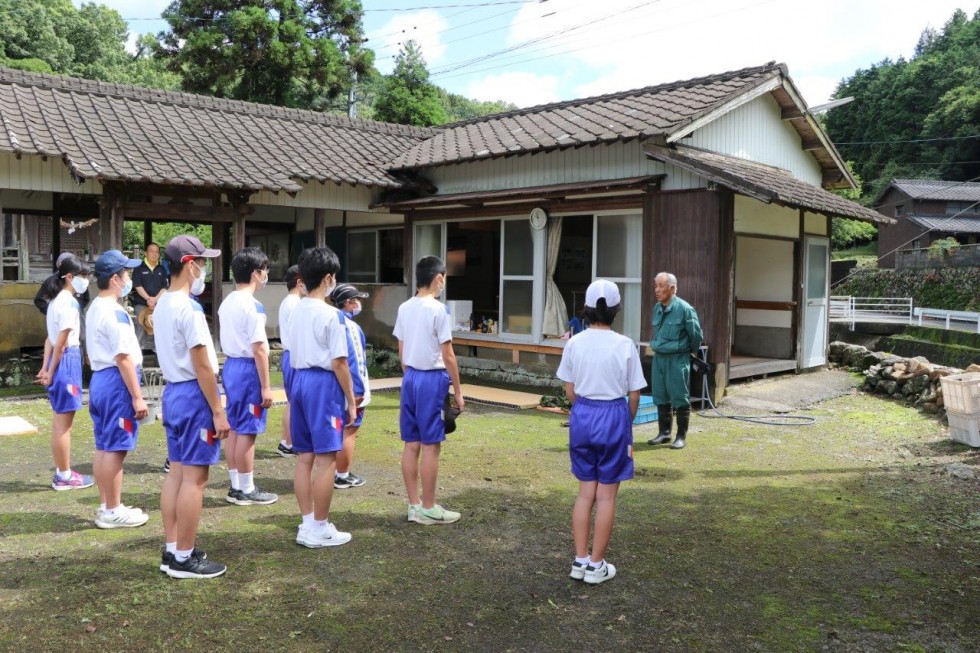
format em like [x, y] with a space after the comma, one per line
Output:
[62, 375]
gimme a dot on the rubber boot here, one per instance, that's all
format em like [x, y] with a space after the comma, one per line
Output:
[683, 419]
[664, 417]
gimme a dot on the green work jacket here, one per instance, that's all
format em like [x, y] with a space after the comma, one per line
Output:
[676, 329]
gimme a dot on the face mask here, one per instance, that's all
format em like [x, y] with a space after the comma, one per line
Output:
[197, 286]
[352, 314]
[331, 287]
[263, 278]
[79, 285]
[127, 288]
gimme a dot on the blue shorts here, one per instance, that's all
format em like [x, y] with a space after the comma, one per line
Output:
[113, 418]
[189, 425]
[65, 391]
[316, 411]
[600, 440]
[243, 396]
[423, 393]
[287, 374]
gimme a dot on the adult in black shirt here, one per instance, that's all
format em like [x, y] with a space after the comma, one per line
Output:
[150, 281]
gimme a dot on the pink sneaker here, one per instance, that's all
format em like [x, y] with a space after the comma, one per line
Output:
[74, 482]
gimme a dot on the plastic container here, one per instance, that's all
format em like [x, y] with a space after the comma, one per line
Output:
[961, 393]
[647, 412]
[964, 428]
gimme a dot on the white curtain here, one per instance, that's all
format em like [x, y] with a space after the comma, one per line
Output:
[555, 313]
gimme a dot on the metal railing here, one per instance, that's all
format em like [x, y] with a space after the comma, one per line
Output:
[844, 308]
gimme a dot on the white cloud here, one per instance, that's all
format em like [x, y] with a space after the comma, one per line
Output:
[623, 44]
[521, 88]
[424, 27]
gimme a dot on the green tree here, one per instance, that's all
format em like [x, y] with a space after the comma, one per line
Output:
[846, 233]
[407, 96]
[460, 107]
[296, 53]
[915, 118]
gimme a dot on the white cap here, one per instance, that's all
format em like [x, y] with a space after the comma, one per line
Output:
[602, 289]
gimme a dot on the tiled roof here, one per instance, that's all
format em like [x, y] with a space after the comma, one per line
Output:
[652, 111]
[113, 132]
[763, 182]
[929, 189]
[959, 225]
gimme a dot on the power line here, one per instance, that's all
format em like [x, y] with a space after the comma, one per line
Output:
[448, 29]
[917, 140]
[454, 6]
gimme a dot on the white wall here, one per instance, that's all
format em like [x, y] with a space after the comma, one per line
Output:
[757, 132]
[31, 172]
[763, 272]
[755, 217]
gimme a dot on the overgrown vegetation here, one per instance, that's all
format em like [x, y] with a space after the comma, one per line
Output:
[950, 288]
[915, 118]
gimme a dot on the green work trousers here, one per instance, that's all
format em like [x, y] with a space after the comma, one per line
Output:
[671, 379]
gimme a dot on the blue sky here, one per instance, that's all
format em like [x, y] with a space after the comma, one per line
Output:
[543, 51]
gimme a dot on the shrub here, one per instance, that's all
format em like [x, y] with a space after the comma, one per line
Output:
[954, 289]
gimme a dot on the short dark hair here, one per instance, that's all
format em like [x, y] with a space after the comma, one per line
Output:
[292, 274]
[246, 261]
[602, 314]
[427, 269]
[315, 263]
[103, 282]
[73, 265]
[148, 245]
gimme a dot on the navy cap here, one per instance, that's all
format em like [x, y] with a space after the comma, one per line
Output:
[346, 291]
[112, 261]
[181, 249]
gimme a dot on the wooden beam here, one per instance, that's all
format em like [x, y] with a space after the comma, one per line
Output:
[791, 114]
[320, 227]
[552, 206]
[765, 306]
[183, 212]
[810, 146]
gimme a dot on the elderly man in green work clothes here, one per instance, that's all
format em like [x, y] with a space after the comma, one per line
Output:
[676, 335]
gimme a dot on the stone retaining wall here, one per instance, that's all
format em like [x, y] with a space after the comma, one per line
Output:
[914, 381]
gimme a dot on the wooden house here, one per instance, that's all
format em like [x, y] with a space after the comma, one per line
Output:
[926, 210]
[723, 180]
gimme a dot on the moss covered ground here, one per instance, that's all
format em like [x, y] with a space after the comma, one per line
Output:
[848, 535]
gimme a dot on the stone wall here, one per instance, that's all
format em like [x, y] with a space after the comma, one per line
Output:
[914, 381]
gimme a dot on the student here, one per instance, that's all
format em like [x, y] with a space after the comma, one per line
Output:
[424, 332]
[296, 291]
[48, 291]
[245, 376]
[61, 373]
[347, 299]
[192, 415]
[115, 399]
[320, 386]
[599, 367]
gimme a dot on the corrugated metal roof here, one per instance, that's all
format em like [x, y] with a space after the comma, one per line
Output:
[930, 189]
[641, 113]
[959, 225]
[764, 183]
[114, 132]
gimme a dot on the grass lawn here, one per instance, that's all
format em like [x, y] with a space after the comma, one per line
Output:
[844, 536]
[866, 254]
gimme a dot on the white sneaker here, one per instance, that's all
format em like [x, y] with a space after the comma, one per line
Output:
[413, 513]
[122, 507]
[121, 517]
[600, 574]
[315, 538]
[578, 570]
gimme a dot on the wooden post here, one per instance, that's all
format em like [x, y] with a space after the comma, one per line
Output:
[56, 228]
[106, 206]
[217, 274]
[238, 201]
[148, 234]
[320, 227]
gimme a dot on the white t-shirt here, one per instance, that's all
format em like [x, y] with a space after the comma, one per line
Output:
[317, 335]
[64, 313]
[242, 319]
[602, 364]
[286, 309]
[179, 325]
[423, 325]
[109, 332]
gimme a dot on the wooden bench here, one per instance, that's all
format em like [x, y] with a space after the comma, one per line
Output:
[515, 347]
[943, 314]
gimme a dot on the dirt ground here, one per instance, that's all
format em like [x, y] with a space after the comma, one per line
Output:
[849, 534]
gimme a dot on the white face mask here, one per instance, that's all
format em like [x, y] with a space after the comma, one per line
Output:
[197, 286]
[263, 278]
[79, 285]
[331, 287]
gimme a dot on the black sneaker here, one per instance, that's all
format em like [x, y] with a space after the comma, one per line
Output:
[166, 465]
[285, 451]
[254, 498]
[233, 496]
[195, 566]
[344, 483]
[167, 557]
[355, 479]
